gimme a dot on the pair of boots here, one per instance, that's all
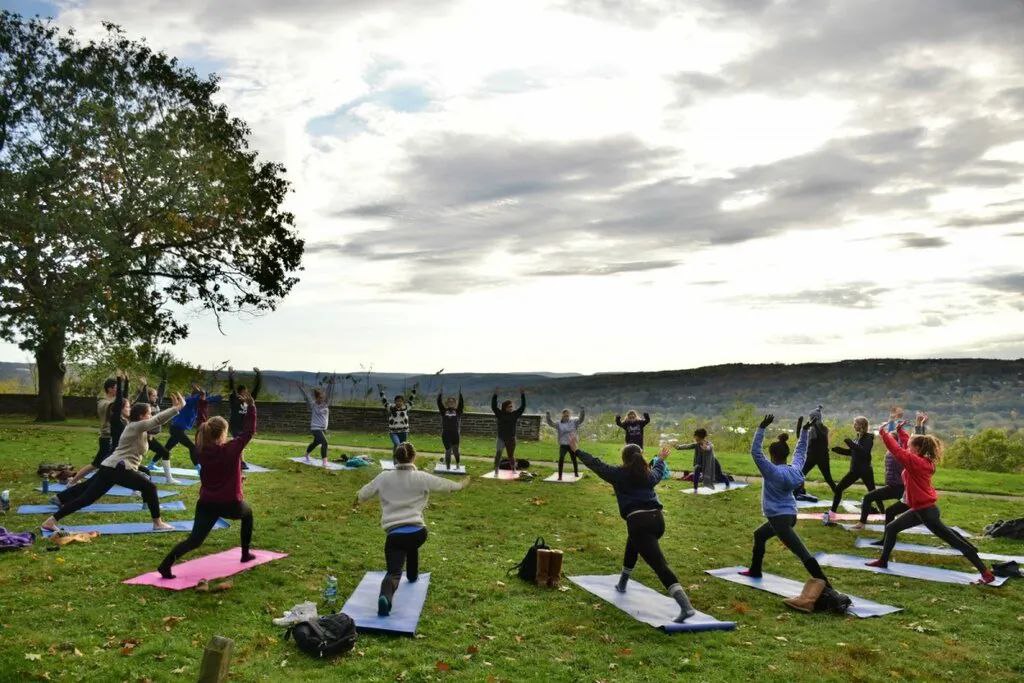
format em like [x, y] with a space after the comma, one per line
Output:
[549, 568]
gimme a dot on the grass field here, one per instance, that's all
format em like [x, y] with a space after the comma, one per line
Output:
[71, 610]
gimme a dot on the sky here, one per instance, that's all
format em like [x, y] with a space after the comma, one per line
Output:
[596, 185]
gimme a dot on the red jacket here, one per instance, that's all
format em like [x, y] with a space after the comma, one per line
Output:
[917, 474]
[220, 473]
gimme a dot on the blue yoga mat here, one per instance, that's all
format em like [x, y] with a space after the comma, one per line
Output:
[788, 588]
[114, 491]
[100, 507]
[919, 529]
[158, 479]
[135, 527]
[405, 612]
[935, 550]
[910, 571]
[648, 606]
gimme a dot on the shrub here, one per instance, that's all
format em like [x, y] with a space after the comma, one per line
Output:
[994, 450]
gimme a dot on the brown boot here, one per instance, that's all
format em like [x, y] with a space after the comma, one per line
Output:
[808, 596]
[543, 566]
[555, 571]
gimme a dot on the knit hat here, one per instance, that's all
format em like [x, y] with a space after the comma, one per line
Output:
[816, 414]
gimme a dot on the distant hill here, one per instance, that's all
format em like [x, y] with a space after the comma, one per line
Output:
[961, 394]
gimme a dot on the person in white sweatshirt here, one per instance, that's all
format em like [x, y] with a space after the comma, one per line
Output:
[403, 494]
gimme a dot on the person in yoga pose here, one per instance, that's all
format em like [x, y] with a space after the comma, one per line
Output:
[403, 494]
[185, 420]
[706, 468]
[893, 489]
[319, 414]
[122, 466]
[155, 397]
[565, 428]
[817, 453]
[115, 421]
[633, 426]
[220, 483]
[397, 414]
[451, 426]
[507, 417]
[778, 502]
[919, 460]
[859, 452]
[633, 483]
[237, 406]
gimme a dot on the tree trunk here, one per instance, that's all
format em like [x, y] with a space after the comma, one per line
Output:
[51, 369]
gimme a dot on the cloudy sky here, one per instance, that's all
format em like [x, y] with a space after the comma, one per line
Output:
[593, 185]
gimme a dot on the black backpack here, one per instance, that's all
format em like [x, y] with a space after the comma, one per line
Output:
[833, 601]
[527, 569]
[1010, 569]
[506, 464]
[1014, 529]
[325, 636]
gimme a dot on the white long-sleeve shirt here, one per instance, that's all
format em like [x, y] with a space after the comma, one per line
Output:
[404, 492]
[135, 440]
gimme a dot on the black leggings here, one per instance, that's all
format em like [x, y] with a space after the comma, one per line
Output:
[104, 479]
[179, 435]
[783, 527]
[823, 464]
[930, 517]
[644, 529]
[158, 448]
[318, 438]
[401, 551]
[207, 515]
[451, 447]
[562, 450]
[887, 492]
[104, 448]
[509, 446]
[859, 473]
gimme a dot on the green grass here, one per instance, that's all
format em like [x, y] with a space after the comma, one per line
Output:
[482, 624]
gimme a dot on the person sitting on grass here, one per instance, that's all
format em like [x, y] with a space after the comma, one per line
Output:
[633, 483]
[220, 483]
[403, 494]
[919, 460]
[122, 466]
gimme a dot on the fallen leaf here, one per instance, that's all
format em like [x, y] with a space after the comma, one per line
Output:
[472, 650]
[625, 652]
[500, 584]
[518, 638]
[179, 670]
[443, 666]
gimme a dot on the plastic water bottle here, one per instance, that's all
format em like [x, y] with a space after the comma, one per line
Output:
[46, 484]
[331, 591]
[5, 500]
[825, 519]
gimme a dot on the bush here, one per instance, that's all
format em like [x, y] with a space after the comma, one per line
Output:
[994, 450]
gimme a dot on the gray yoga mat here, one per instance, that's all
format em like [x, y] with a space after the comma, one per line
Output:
[910, 571]
[935, 550]
[919, 529]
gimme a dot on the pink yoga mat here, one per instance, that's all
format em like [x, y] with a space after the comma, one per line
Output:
[216, 566]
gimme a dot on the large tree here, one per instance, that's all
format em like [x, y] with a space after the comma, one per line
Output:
[126, 194]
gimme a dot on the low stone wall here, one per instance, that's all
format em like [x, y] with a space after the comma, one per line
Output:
[294, 417]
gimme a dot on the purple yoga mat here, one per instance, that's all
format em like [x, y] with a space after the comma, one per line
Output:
[216, 566]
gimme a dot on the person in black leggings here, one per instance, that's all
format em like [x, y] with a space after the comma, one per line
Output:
[507, 417]
[859, 452]
[117, 419]
[817, 452]
[220, 493]
[451, 426]
[634, 483]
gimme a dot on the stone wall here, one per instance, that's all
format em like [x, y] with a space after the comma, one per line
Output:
[294, 417]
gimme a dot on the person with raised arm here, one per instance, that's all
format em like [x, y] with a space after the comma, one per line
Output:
[633, 426]
[451, 426]
[319, 416]
[237, 406]
[859, 452]
[397, 414]
[566, 426]
[186, 420]
[507, 418]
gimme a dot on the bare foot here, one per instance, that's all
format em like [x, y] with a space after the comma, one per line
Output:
[161, 525]
[49, 525]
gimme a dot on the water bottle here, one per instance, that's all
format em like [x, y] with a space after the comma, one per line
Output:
[5, 500]
[46, 484]
[825, 519]
[331, 592]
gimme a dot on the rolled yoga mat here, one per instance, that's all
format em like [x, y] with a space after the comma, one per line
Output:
[114, 491]
[934, 550]
[217, 566]
[649, 606]
[789, 588]
[135, 527]
[910, 571]
[100, 507]
[405, 609]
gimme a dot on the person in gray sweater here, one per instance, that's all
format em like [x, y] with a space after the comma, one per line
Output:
[320, 412]
[403, 493]
[565, 428]
[706, 468]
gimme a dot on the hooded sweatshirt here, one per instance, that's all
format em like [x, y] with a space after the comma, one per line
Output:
[220, 476]
[779, 480]
[634, 429]
[404, 492]
[507, 419]
[917, 474]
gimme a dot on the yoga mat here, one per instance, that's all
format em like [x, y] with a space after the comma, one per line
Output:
[210, 567]
[114, 491]
[850, 506]
[807, 504]
[934, 550]
[387, 464]
[439, 468]
[920, 529]
[719, 488]
[790, 588]
[648, 606]
[504, 475]
[567, 478]
[910, 571]
[135, 527]
[405, 610]
[191, 471]
[845, 516]
[159, 479]
[316, 462]
[100, 507]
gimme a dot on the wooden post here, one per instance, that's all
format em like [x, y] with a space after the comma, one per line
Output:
[216, 660]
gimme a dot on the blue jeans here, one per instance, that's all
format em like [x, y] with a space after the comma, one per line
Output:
[398, 437]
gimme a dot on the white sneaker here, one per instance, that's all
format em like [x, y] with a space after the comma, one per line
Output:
[303, 611]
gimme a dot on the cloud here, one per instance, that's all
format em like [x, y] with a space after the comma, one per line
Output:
[1005, 282]
[919, 241]
[1007, 218]
[603, 268]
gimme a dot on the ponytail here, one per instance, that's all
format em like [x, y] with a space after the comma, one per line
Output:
[210, 432]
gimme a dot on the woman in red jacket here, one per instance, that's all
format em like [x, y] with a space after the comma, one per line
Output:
[220, 492]
[918, 461]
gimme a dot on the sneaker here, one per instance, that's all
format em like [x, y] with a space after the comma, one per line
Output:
[747, 572]
[304, 611]
[383, 606]
[5, 500]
